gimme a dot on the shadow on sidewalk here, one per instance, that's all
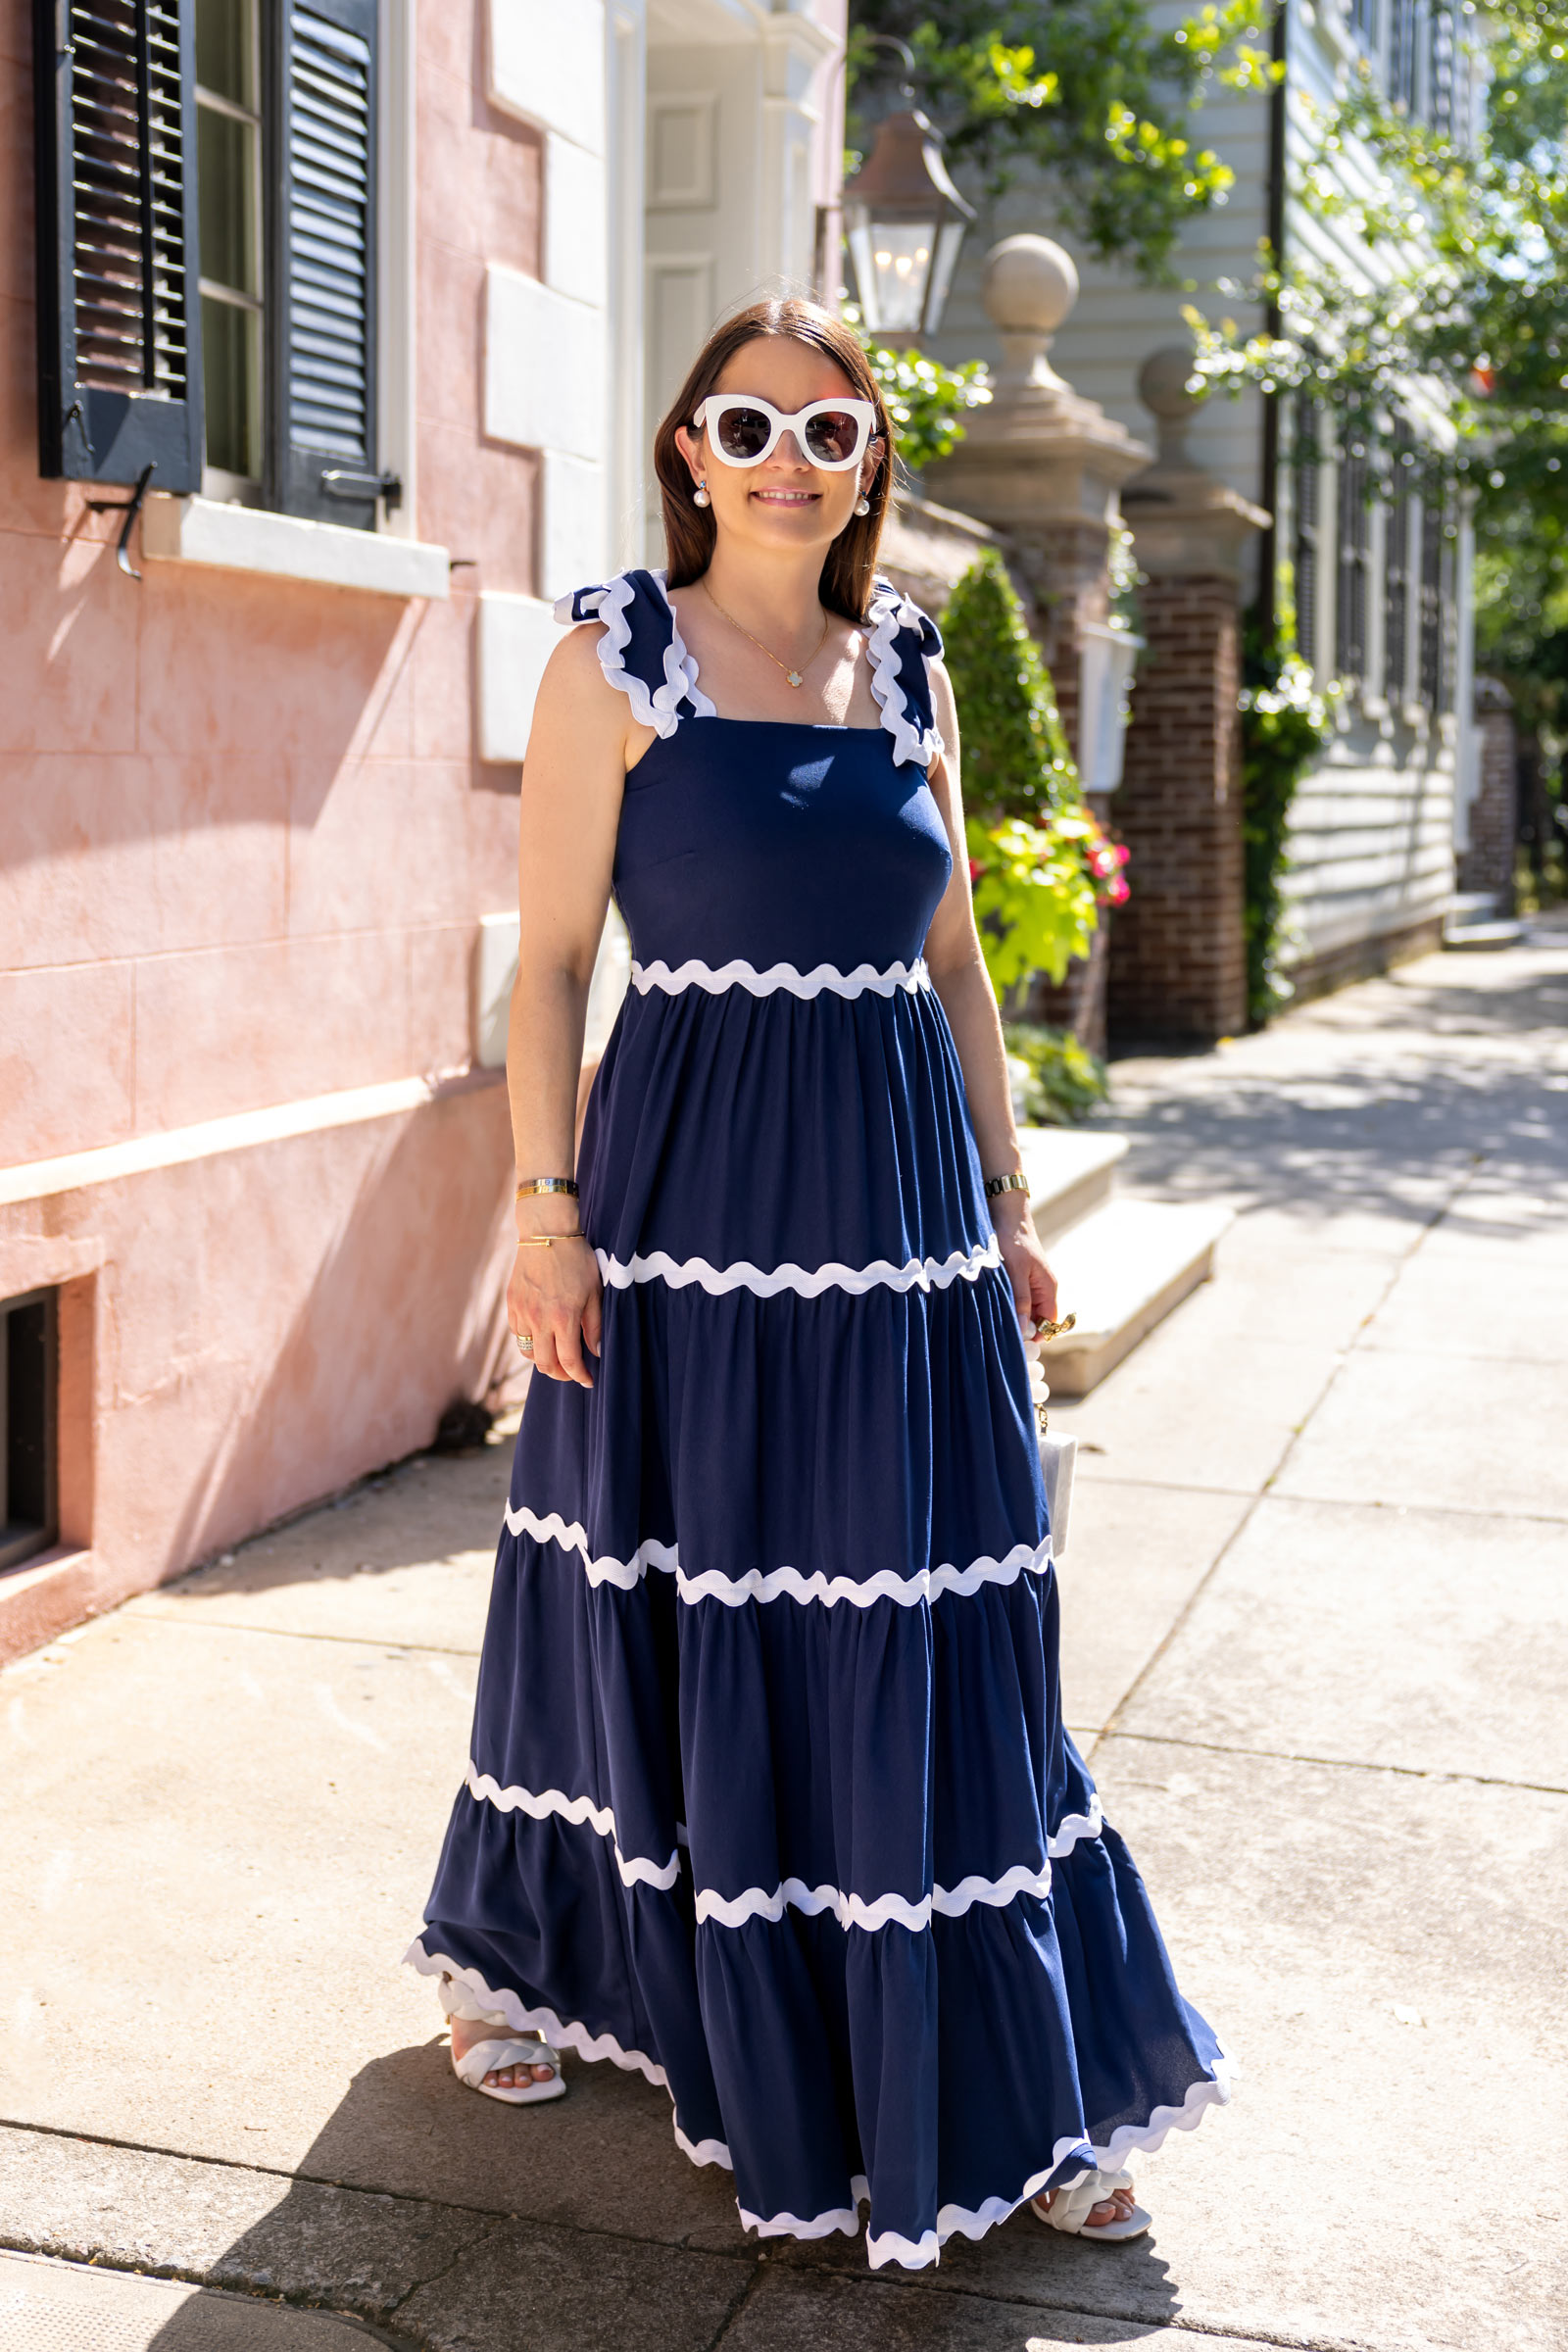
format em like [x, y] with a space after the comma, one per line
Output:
[419, 2208]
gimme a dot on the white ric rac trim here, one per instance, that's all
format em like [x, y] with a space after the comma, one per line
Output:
[822, 979]
[926, 1274]
[916, 2253]
[562, 2033]
[549, 1802]
[1206, 2093]
[657, 709]
[777, 1583]
[891, 613]
[852, 1911]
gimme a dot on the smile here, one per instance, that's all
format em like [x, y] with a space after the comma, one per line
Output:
[787, 498]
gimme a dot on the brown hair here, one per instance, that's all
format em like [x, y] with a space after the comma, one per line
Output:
[849, 567]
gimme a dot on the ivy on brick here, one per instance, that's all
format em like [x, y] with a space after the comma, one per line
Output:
[1285, 724]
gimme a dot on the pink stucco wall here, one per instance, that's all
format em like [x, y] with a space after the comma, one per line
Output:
[245, 843]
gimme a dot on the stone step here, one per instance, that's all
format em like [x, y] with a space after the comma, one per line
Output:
[1504, 932]
[1471, 906]
[1120, 1271]
[1071, 1172]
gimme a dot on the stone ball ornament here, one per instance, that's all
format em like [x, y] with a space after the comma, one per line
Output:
[1166, 383]
[1031, 283]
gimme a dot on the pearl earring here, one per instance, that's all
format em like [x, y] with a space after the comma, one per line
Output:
[699, 497]
[863, 504]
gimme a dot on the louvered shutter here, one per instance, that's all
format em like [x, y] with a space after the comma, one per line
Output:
[323, 406]
[118, 315]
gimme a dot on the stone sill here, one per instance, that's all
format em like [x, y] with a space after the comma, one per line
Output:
[285, 547]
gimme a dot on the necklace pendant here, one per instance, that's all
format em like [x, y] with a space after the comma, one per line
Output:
[794, 678]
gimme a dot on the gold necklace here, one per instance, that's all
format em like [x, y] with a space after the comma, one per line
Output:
[796, 678]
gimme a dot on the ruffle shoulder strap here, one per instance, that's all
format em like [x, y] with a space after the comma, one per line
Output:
[640, 648]
[903, 643]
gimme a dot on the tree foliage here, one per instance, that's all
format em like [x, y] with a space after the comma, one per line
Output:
[1085, 92]
[926, 401]
[1470, 330]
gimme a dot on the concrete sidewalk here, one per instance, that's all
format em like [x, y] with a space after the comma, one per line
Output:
[1316, 1643]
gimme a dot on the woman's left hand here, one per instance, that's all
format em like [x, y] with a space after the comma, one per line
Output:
[1034, 1286]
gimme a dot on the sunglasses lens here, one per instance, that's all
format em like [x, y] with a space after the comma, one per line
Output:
[831, 435]
[743, 433]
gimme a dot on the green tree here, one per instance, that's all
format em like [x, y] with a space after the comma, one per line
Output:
[1085, 92]
[1469, 330]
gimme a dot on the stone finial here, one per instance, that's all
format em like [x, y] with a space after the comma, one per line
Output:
[1184, 523]
[1030, 286]
[1039, 460]
[1165, 382]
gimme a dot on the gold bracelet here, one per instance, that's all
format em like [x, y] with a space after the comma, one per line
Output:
[547, 1241]
[545, 1184]
[1018, 1182]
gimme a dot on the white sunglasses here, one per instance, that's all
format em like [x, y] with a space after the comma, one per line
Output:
[744, 430]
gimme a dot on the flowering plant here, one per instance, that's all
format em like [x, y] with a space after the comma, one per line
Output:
[1035, 898]
[1105, 860]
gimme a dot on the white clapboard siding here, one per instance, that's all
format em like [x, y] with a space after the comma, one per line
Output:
[1373, 828]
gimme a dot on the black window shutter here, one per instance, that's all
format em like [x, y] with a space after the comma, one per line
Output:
[1396, 575]
[323, 445]
[120, 366]
[1305, 550]
[1354, 537]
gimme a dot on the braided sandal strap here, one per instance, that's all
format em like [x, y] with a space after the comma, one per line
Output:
[488, 2057]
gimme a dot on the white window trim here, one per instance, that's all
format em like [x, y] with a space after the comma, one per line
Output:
[391, 560]
[235, 538]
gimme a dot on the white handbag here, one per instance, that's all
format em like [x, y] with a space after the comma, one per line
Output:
[1058, 1455]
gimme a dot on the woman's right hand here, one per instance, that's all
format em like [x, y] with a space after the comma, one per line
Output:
[556, 1296]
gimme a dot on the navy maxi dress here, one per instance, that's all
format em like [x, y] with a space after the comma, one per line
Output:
[770, 1797]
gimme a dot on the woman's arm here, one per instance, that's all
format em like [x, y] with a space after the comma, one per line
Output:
[569, 810]
[958, 974]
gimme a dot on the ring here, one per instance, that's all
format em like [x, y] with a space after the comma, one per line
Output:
[525, 1339]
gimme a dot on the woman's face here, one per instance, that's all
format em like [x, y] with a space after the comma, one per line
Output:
[786, 501]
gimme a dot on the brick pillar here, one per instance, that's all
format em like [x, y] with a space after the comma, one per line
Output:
[1045, 467]
[1178, 957]
[1487, 861]
[1178, 964]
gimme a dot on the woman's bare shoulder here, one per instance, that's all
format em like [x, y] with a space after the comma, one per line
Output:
[574, 689]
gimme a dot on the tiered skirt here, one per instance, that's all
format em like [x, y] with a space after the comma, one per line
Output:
[770, 1797]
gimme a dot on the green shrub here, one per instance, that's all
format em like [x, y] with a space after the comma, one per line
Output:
[1065, 1080]
[1039, 864]
[1015, 757]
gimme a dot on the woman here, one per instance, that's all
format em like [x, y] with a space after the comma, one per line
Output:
[771, 1795]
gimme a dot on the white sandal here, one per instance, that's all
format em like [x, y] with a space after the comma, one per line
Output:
[1069, 2209]
[509, 2048]
[488, 2057]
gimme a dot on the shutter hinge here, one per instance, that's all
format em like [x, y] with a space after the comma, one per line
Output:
[342, 482]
